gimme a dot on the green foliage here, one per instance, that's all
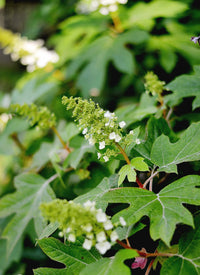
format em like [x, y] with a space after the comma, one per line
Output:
[25, 208]
[187, 259]
[113, 266]
[73, 256]
[114, 170]
[187, 148]
[129, 170]
[184, 86]
[164, 209]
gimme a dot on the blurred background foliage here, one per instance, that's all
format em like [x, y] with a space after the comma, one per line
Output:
[104, 57]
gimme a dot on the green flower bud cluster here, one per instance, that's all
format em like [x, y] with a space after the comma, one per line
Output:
[153, 85]
[39, 115]
[98, 126]
[85, 220]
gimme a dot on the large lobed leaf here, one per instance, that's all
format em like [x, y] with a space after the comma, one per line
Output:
[31, 191]
[73, 256]
[187, 260]
[111, 266]
[97, 56]
[167, 155]
[164, 209]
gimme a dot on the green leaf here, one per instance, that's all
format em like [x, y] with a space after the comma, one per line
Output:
[153, 9]
[73, 256]
[111, 266]
[139, 164]
[77, 154]
[133, 113]
[164, 209]
[31, 191]
[187, 260]
[38, 88]
[167, 155]
[51, 271]
[14, 256]
[95, 194]
[127, 170]
[15, 125]
[126, 231]
[184, 86]
[105, 49]
[155, 128]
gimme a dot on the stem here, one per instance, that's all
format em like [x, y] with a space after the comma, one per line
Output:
[17, 142]
[145, 254]
[156, 254]
[124, 245]
[116, 22]
[61, 140]
[123, 153]
[128, 162]
[151, 177]
[149, 267]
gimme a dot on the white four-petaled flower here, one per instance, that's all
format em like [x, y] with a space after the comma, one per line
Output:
[102, 145]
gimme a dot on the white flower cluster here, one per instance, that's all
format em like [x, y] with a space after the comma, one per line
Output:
[31, 53]
[103, 6]
[99, 233]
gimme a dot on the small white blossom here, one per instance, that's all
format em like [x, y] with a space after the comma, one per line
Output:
[137, 141]
[114, 236]
[122, 124]
[122, 1]
[112, 8]
[103, 247]
[101, 237]
[85, 131]
[68, 229]
[87, 244]
[131, 132]
[87, 227]
[107, 124]
[102, 145]
[91, 141]
[112, 135]
[89, 204]
[112, 124]
[90, 236]
[71, 238]
[108, 114]
[101, 216]
[60, 234]
[108, 225]
[122, 221]
[106, 158]
[117, 138]
[98, 155]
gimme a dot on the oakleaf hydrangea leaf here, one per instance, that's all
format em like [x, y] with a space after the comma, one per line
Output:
[25, 207]
[167, 155]
[185, 86]
[164, 209]
[187, 260]
[139, 164]
[111, 266]
[105, 49]
[73, 256]
[95, 194]
[127, 170]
